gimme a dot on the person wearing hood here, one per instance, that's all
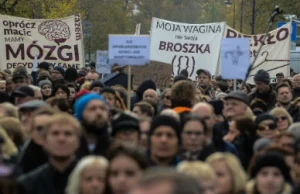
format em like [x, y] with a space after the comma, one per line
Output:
[145, 85]
[46, 88]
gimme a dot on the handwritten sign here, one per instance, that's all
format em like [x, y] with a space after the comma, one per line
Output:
[129, 49]
[102, 64]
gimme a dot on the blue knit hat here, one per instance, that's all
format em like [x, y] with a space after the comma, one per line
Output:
[83, 101]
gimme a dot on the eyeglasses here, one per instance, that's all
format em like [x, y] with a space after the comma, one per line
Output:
[283, 118]
[271, 126]
[190, 133]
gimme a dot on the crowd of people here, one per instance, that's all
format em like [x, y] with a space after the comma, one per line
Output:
[63, 131]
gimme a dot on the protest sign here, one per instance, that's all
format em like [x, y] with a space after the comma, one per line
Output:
[186, 46]
[129, 49]
[275, 53]
[235, 58]
[159, 72]
[102, 64]
[57, 41]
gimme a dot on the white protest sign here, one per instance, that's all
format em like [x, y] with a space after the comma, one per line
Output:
[186, 46]
[129, 49]
[235, 58]
[57, 41]
[275, 53]
[102, 63]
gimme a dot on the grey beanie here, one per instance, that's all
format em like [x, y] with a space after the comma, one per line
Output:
[45, 82]
[262, 76]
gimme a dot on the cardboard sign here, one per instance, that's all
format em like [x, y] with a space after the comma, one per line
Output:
[102, 63]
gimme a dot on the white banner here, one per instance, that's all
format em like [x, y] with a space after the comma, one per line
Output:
[186, 46]
[57, 41]
[274, 56]
[102, 63]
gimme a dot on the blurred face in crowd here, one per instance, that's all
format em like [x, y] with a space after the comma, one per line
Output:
[2, 86]
[61, 140]
[164, 143]
[9, 84]
[38, 123]
[110, 99]
[284, 95]
[61, 93]
[232, 133]
[209, 187]
[296, 81]
[56, 75]
[95, 113]
[150, 95]
[124, 173]
[269, 180]
[96, 90]
[203, 80]
[92, 179]
[267, 129]
[161, 187]
[286, 142]
[279, 78]
[144, 130]
[19, 82]
[245, 90]
[128, 136]
[137, 110]
[224, 177]
[72, 94]
[193, 136]
[234, 108]
[46, 90]
[206, 112]
[91, 77]
[25, 118]
[166, 101]
[282, 122]
[262, 87]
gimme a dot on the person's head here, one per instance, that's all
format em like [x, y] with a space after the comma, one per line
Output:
[231, 177]
[284, 94]
[286, 141]
[279, 77]
[126, 166]
[88, 177]
[171, 113]
[194, 132]
[43, 66]
[166, 98]
[183, 94]
[59, 104]
[20, 78]
[144, 124]
[91, 110]
[167, 181]
[3, 76]
[246, 88]
[262, 81]
[143, 108]
[110, 97]
[73, 90]
[7, 146]
[258, 106]
[8, 110]
[23, 94]
[296, 81]
[206, 112]
[61, 135]
[283, 118]
[3, 86]
[9, 84]
[46, 88]
[270, 174]
[150, 95]
[204, 78]
[266, 126]
[96, 87]
[37, 92]
[58, 73]
[203, 172]
[92, 76]
[62, 91]
[236, 104]
[14, 129]
[164, 139]
[71, 75]
[125, 128]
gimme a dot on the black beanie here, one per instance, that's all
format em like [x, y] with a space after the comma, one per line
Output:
[71, 74]
[179, 78]
[271, 159]
[262, 76]
[123, 122]
[97, 84]
[164, 120]
[108, 90]
[263, 117]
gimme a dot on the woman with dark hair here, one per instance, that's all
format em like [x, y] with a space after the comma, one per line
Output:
[73, 90]
[113, 100]
[126, 166]
[61, 91]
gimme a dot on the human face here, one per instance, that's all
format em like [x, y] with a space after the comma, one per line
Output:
[137, 110]
[234, 108]
[150, 95]
[267, 129]
[282, 122]
[287, 142]
[38, 127]
[296, 81]
[55, 75]
[203, 80]
[72, 94]
[224, 178]
[91, 77]
[124, 173]
[96, 90]
[208, 187]
[3, 87]
[269, 180]
[128, 136]
[110, 99]
[206, 113]
[61, 140]
[193, 136]
[95, 113]
[60, 93]
[279, 78]
[46, 90]
[92, 180]
[245, 90]
[20, 82]
[166, 100]
[262, 87]
[144, 129]
[232, 133]
[284, 95]
[164, 142]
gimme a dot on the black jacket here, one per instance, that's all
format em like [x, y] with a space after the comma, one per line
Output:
[44, 180]
[269, 98]
[296, 93]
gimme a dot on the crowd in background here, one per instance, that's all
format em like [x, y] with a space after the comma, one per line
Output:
[63, 131]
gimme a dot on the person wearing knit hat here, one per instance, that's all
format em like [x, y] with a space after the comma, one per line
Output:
[266, 126]
[57, 73]
[270, 175]
[96, 87]
[264, 90]
[71, 75]
[164, 141]
[44, 66]
[46, 88]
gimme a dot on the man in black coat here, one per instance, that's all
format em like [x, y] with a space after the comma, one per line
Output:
[61, 140]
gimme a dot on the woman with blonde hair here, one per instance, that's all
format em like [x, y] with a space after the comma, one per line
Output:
[8, 110]
[89, 176]
[283, 118]
[231, 177]
[8, 149]
[201, 171]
